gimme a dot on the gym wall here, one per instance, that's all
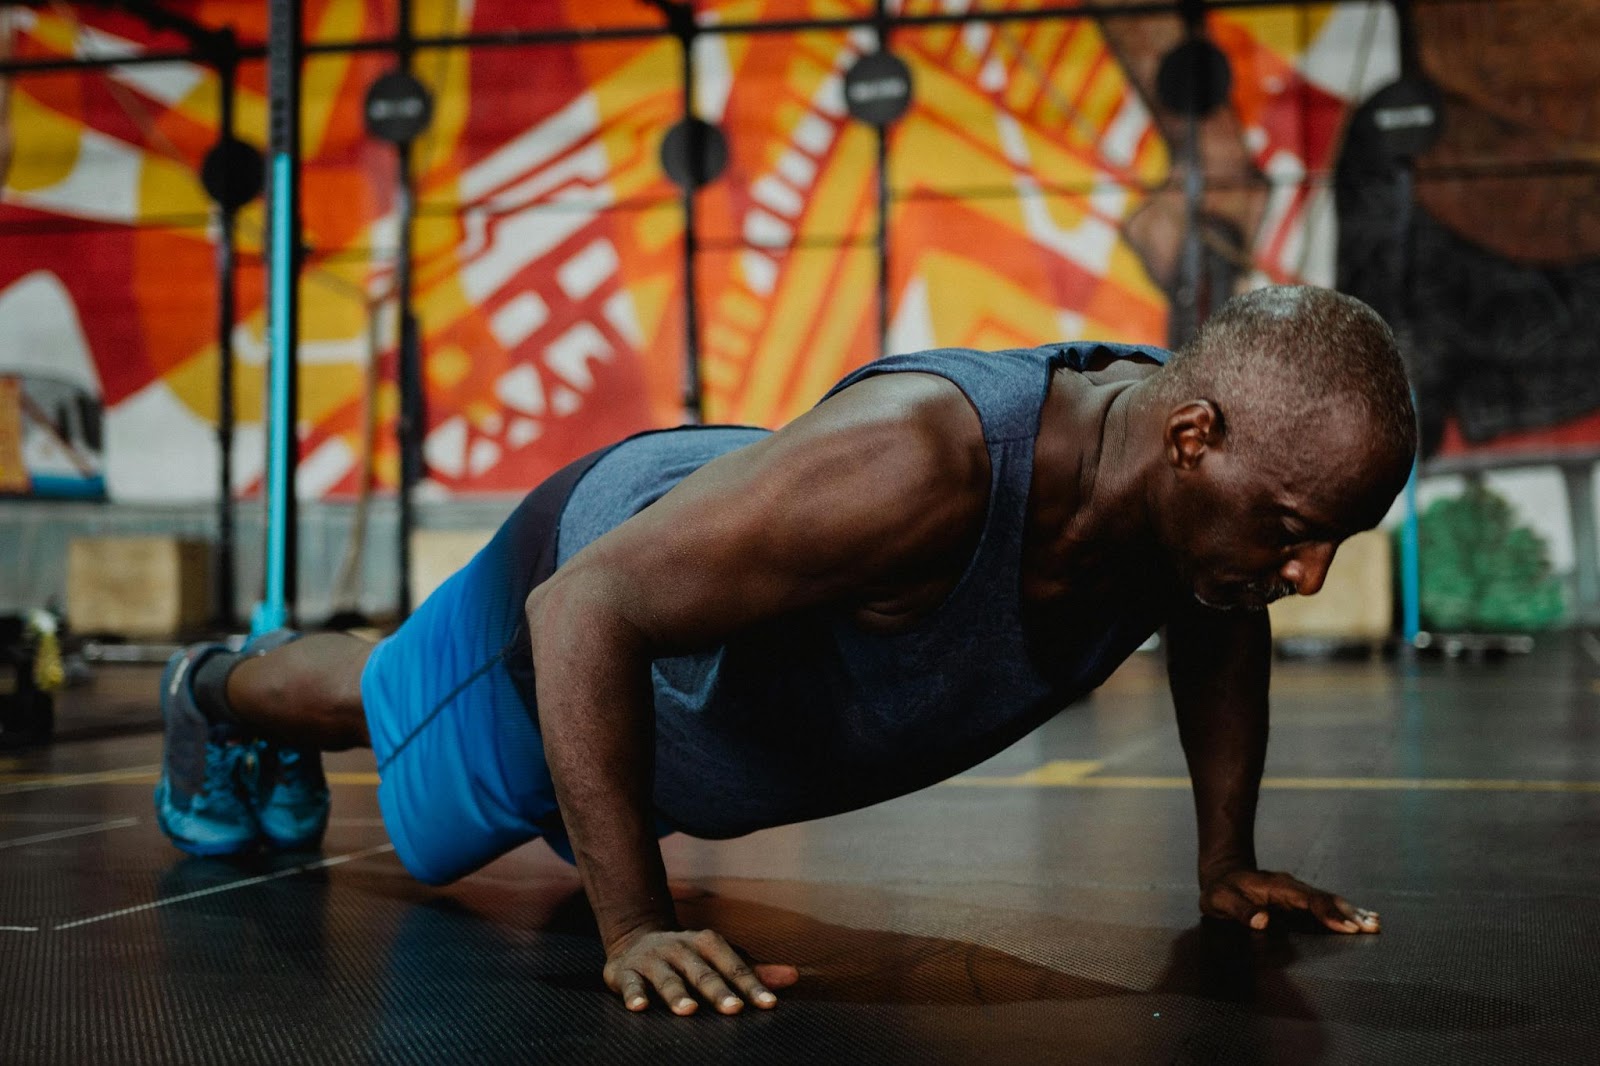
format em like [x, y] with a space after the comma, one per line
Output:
[1033, 201]
[1037, 193]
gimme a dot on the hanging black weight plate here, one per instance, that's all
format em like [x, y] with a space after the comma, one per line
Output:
[1194, 78]
[398, 107]
[713, 154]
[232, 173]
[877, 88]
[1400, 121]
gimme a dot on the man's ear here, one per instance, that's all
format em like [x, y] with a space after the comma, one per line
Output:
[1192, 430]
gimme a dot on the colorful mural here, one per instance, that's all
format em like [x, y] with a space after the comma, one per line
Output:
[1033, 180]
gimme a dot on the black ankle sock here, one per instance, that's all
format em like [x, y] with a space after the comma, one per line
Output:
[210, 685]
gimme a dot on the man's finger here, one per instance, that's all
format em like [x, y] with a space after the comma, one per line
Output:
[1225, 901]
[1327, 910]
[712, 988]
[669, 986]
[1340, 915]
[1287, 892]
[722, 955]
[776, 975]
[631, 987]
[1367, 920]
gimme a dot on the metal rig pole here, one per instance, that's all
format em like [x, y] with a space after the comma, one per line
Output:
[1404, 250]
[681, 24]
[284, 52]
[1186, 310]
[412, 416]
[881, 238]
[227, 260]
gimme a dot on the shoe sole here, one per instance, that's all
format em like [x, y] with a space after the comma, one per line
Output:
[301, 842]
[297, 844]
[195, 847]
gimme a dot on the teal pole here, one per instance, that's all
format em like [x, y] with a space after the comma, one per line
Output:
[1411, 565]
[284, 49]
[273, 612]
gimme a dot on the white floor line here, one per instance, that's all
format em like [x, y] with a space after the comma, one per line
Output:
[19, 928]
[42, 781]
[214, 889]
[63, 834]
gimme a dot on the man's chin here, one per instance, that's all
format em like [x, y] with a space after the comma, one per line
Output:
[1227, 605]
[1247, 598]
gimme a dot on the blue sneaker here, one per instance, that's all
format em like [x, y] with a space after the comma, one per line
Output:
[202, 797]
[291, 797]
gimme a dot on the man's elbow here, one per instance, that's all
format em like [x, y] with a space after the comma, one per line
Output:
[579, 606]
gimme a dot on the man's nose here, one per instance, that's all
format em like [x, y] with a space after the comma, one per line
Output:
[1307, 568]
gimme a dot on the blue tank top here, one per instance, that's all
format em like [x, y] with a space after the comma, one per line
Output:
[808, 715]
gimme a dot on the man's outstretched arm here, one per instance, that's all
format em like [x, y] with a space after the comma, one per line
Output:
[888, 477]
[597, 721]
[1219, 664]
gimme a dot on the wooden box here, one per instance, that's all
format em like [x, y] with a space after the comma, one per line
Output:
[138, 587]
[1357, 599]
[438, 553]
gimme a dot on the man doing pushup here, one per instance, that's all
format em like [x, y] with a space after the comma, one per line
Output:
[714, 630]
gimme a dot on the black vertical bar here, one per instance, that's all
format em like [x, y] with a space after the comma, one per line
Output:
[1410, 58]
[1191, 263]
[881, 238]
[1405, 190]
[227, 259]
[410, 425]
[285, 50]
[1404, 250]
[683, 24]
[1186, 313]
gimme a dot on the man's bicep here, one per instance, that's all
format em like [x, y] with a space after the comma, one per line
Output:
[801, 518]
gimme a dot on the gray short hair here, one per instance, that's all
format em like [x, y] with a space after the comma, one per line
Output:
[1272, 358]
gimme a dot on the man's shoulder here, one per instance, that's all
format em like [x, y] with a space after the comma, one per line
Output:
[922, 425]
[908, 397]
[1094, 354]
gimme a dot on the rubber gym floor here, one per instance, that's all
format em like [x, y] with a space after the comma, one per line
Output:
[1039, 909]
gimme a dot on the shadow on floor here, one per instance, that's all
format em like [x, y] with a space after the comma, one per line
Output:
[1212, 961]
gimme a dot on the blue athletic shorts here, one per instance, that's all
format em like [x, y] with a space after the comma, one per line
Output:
[449, 705]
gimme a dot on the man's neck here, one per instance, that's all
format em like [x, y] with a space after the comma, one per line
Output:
[1104, 465]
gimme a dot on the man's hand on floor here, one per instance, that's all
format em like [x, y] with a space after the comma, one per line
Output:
[1245, 896]
[671, 963]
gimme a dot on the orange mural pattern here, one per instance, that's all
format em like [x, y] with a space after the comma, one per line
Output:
[547, 243]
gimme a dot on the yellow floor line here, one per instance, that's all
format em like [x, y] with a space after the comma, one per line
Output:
[133, 775]
[137, 775]
[1065, 773]
[1060, 773]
